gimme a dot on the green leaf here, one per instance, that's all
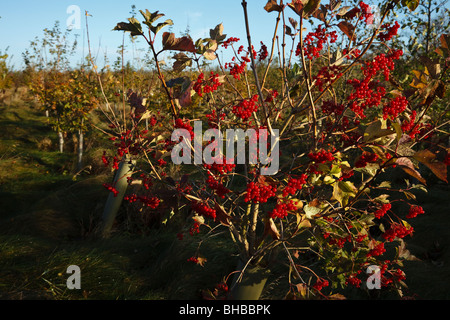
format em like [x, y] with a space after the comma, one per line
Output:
[150, 18]
[411, 4]
[382, 198]
[311, 7]
[336, 171]
[161, 25]
[398, 130]
[375, 131]
[342, 191]
[328, 180]
[311, 211]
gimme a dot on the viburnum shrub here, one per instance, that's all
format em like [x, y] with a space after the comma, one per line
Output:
[331, 210]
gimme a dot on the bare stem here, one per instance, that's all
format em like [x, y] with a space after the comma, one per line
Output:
[308, 86]
[255, 73]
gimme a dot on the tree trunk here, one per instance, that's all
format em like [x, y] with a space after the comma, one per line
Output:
[61, 141]
[80, 150]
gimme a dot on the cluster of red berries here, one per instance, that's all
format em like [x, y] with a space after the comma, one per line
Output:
[161, 162]
[194, 229]
[111, 188]
[321, 156]
[390, 32]
[124, 144]
[338, 241]
[364, 95]
[213, 118]
[220, 168]
[151, 202]
[152, 122]
[294, 185]
[246, 107]
[360, 238]
[354, 280]
[313, 48]
[129, 142]
[414, 211]
[281, 209]
[368, 93]
[222, 287]
[263, 54]
[353, 54]
[230, 41]
[184, 187]
[236, 69]
[411, 128]
[202, 86]
[180, 124]
[378, 250]
[364, 11]
[397, 230]
[395, 107]
[383, 63]
[365, 158]
[193, 259]
[447, 159]
[217, 186]
[383, 210]
[398, 275]
[329, 107]
[259, 193]
[273, 94]
[320, 284]
[146, 181]
[106, 162]
[203, 209]
[326, 76]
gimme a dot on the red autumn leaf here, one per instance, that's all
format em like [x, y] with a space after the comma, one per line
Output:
[178, 44]
[347, 28]
[428, 158]
[297, 6]
[272, 5]
[304, 7]
[321, 13]
[407, 166]
[445, 41]
[186, 97]
[221, 215]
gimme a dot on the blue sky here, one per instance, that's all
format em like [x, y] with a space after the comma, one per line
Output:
[22, 20]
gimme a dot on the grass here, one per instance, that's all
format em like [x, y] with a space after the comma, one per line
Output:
[48, 222]
[49, 219]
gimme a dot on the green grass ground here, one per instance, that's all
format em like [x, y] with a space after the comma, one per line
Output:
[48, 221]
